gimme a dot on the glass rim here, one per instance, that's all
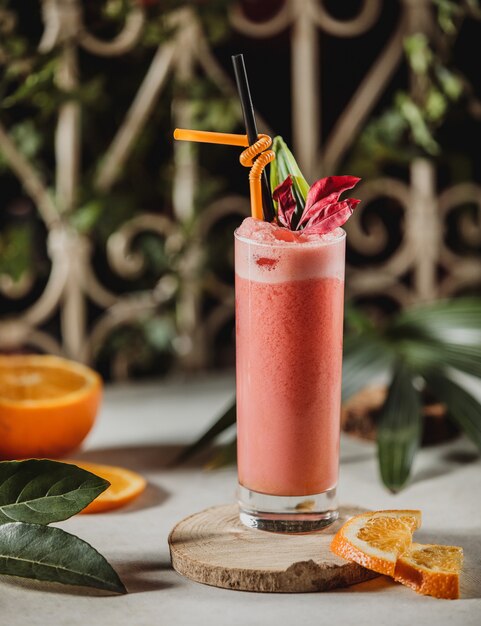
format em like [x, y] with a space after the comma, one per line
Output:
[292, 244]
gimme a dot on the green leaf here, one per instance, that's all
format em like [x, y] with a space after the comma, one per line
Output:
[226, 420]
[399, 429]
[421, 133]
[447, 332]
[86, 217]
[435, 105]
[16, 246]
[51, 554]
[449, 14]
[451, 83]
[365, 359]
[462, 406]
[274, 175]
[459, 314]
[286, 165]
[418, 52]
[42, 491]
[227, 455]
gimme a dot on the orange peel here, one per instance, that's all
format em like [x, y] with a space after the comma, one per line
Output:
[376, 539]
[431, 570]
[125, 486]
[47, 405]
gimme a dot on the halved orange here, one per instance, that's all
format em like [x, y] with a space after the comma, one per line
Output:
[47, 405]
[431, 570]
[376, 539]
[125, 486]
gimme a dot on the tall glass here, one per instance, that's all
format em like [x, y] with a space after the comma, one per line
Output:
[289, 322]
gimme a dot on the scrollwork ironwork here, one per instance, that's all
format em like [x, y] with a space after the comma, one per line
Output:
[73, 282]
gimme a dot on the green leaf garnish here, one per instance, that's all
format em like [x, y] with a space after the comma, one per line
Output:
[285, 165]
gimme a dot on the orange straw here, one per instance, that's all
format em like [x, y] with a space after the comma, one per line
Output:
[257, 156]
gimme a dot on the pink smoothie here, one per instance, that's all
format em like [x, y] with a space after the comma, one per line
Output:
[289, 321]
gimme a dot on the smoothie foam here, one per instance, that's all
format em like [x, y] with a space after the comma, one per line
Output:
[274, 255]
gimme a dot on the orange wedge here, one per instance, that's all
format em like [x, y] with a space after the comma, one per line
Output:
[431, 570]
[125, 486]
[376, 539]
[47, 405]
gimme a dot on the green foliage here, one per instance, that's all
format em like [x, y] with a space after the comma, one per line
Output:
[50, 554]
[148, 345]
[285, 165]
[35, 493]
[226, 420]
[30, 98]
[399, 429]
[208, 107]
[449, 12]
[408, 127]
[39, 491]
[16, 250]
[27, 138]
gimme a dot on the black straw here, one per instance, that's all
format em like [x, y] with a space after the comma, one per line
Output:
[251, 127]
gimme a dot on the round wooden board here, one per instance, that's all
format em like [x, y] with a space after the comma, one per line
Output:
[213, 547]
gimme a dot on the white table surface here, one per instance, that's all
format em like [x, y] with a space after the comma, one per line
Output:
[140, 427]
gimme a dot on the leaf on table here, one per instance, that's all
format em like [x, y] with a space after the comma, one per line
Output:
[399, 429]
[42, 491]
[226, 420]
[50, 554]
[462, 406]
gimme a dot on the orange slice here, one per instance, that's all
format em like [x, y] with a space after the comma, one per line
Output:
[125, 486]
[376, 539]
[47, 405]
[431, 570]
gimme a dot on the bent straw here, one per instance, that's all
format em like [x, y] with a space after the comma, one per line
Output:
[251, 126]
[256, 157]
[204, 136]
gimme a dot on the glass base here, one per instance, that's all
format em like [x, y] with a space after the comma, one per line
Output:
[287, 514]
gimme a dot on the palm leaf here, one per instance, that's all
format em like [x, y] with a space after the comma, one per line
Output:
[226, 456]
[226, 420]
[462, 406]
[447, 332]
[445, 315]
[365, 360]
[399, 429]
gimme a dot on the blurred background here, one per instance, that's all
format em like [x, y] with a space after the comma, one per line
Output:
[116, 245]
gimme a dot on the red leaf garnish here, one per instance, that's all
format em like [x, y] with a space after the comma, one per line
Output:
[331, 217]
[287, 204]
[324, 193]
